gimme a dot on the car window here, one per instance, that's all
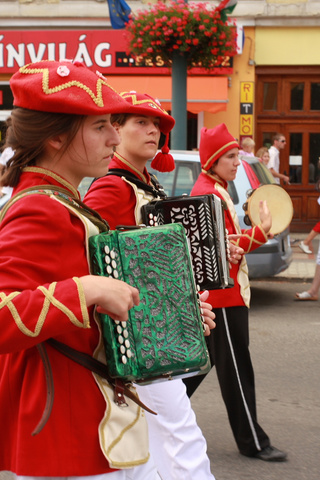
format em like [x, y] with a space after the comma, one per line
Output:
[166, 179]
[233, 192]
[185, 179]
[181, 180]
[84, 186]
[262, 172]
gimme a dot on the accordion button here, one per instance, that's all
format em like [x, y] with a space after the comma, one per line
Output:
[129, 353]
[125, 333]
[156, 224]
[107, 249]
[116, 274]
[114, 264]
[112, 254]
[107, 259]
[122, 349]
[124, 324]
[120, 339]
[117, 322]
[127, 344]
[150, 215]
[119, 329]
[124, 359]
[151, 222]
[109, 269]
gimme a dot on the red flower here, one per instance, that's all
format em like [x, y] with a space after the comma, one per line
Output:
[194, 28]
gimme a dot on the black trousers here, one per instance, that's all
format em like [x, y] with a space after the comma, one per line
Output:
[228, 346]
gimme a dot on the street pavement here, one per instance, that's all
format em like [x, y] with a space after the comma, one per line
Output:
[284, 344]
[302, 266]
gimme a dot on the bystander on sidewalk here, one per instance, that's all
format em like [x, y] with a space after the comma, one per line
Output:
[303, 265]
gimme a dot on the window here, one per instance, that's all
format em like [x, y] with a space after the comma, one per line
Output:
[296, 100]
[314, 155]
[315, 96]
[270, 96]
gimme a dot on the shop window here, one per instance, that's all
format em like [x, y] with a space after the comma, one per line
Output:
[315, 96]
[6, 97]
[296, 96]
[270, 94]
[295, 158]
[314, 155]
[267, 139]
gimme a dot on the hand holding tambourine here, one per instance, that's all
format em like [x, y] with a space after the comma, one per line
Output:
[278, 202]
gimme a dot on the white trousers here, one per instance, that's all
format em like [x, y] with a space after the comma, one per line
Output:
[176, 442]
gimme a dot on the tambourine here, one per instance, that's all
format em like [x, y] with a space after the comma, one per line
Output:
[278, 202]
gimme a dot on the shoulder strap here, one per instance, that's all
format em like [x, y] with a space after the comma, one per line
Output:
[65, 197]
[155, 189]
[120, 388]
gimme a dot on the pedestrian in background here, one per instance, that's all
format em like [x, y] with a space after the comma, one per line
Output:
[229, 342]
[305, 244]
[313, 292]
[247, 149]
[279, 142]
[263, 155]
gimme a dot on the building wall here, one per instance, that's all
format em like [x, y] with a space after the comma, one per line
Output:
[277, 32]
[243, 71]
[288, 45]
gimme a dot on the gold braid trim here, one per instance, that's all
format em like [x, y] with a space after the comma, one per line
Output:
[252, 240]
[6, 301]
[97, 98]
[55, 176]
[142, 177]
[148, 101]
[83, 303]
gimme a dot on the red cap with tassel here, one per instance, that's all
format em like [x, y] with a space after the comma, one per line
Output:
[143, 104]
[163, 161]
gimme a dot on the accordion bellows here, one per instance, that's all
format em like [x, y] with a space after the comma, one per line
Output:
[164, 334]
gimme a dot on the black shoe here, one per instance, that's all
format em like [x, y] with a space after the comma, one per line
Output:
[271, 454]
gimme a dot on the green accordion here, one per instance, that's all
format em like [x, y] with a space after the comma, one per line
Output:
[163, 337]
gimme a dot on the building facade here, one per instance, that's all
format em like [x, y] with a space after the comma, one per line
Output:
[271, 85]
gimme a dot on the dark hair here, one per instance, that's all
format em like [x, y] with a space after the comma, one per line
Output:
[27, 133]
[120, 118]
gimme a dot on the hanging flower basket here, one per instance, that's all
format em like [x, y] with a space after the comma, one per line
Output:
[193, 29]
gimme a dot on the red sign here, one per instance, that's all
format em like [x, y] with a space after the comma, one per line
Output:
[103, 50]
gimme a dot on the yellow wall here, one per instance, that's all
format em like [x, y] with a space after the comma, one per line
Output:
[287, 46]
[242, 72]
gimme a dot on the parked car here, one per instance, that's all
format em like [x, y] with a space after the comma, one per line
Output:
[268, 260]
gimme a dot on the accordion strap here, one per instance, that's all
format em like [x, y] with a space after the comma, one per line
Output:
[66, 197]
[155, 189]
[87, 361]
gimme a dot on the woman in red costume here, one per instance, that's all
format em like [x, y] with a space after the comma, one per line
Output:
[229, 342]
[60, 132]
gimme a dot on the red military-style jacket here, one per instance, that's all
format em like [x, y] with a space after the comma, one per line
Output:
[117, 200]
[42, 253]
[239, 295]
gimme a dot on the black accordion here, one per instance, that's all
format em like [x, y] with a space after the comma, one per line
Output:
[163, 337]
[203, 219]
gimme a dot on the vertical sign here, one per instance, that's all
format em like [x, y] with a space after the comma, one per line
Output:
[246, 109]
